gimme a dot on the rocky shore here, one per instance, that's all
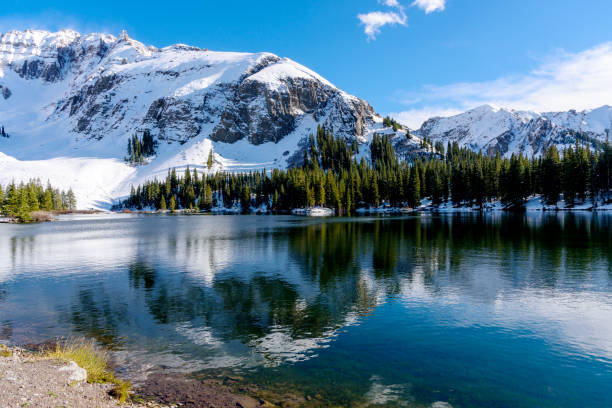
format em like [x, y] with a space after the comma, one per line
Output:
[30, 380]
[33, 379]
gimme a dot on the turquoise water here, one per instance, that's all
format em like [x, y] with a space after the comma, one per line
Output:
[465, 310]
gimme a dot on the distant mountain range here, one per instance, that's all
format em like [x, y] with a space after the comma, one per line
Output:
[493, 130]
[69, 103]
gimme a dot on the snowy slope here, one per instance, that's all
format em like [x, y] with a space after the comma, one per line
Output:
[494, 130]
[70, 102]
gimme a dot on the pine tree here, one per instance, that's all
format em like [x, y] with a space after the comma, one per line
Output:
[321, 192]
[162, 204]
[375, 191]
[348, 206]
[567, 173]
[207, 205]
[414, 188]
[23, 209]
[47, 203]
[11, 202]
[550, 175]
[32, 198]
[209, 162]
[245, 199]
[72, 203]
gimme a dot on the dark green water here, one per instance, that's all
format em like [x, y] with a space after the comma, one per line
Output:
[472, 311]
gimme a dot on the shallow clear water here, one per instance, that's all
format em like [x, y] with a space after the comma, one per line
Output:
[477, 311]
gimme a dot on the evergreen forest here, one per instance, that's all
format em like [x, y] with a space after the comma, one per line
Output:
[330, 175]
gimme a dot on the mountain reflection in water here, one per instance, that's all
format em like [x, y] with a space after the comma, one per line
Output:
[461, 308]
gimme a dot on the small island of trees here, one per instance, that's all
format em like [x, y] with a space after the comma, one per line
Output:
[23, 202]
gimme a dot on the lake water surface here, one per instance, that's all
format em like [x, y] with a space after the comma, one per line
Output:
[459, 310]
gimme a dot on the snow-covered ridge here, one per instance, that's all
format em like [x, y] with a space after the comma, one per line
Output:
[68, 95]
[97, 86]
[492, 130]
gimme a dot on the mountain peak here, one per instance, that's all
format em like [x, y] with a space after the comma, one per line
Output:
[107, 87]
[485, 108]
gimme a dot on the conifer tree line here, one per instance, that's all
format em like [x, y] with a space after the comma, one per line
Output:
[139, 149]
[21, 200]
[331, 176]
[391, 123]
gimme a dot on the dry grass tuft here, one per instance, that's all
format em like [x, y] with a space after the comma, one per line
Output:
[5, 351]
[93, 359]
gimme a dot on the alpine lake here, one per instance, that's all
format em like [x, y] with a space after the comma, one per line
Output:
[427, 310]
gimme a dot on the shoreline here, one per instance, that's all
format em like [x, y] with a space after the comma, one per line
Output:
[532, 204]
[310, 213]
[46, 216]
[30, 377]
[304, 212]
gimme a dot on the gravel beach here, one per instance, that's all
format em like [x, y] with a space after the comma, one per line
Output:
[28, 380]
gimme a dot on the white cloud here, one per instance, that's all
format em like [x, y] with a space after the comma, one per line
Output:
[567, 81]
[376, 19]
[429, 6]
[414, 118]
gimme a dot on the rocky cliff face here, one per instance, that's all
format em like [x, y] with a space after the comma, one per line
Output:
[100, 87]
[493, 130]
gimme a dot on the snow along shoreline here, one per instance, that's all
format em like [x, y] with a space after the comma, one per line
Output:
[533, 204]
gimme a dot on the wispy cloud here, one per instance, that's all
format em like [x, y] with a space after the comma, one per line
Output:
[566, 81]
[375, 20]
[429, 6]
[414, 118]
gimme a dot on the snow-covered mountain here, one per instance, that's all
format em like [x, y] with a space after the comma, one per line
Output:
[70, 102]
[493, 130]
[76, 96]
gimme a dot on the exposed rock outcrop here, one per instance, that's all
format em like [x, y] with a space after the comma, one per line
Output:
[6, 93]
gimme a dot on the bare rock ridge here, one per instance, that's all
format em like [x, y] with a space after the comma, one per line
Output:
[98, 86]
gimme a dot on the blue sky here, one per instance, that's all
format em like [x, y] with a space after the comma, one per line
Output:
[410, 58]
